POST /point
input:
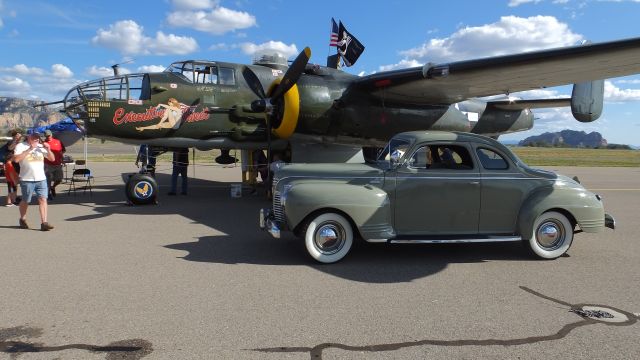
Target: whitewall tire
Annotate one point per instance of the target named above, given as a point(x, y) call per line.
point(328, 237)
point(552, 235)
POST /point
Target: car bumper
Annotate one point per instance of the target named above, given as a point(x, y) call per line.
point(268, 223)
point(609, 221)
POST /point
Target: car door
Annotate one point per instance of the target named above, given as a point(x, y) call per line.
point(433, 197)
point(504, 188)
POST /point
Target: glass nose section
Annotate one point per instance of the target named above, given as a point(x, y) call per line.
point(115, 88)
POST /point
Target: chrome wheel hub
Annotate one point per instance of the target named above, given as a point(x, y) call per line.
point(550, 234)
point(329, 238)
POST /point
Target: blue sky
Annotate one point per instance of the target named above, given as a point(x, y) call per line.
point(49, 46)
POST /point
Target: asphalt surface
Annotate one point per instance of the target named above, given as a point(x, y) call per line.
point(194, 278)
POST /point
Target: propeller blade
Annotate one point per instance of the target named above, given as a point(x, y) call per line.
point(254, 83)
point(293, 74)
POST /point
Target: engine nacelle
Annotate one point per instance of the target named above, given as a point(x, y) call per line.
point(587, 100)
point(494, 122)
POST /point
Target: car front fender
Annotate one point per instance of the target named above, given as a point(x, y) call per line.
point(367, 206)
point(582, 206)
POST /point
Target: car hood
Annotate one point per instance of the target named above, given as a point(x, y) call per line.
point(329, 171)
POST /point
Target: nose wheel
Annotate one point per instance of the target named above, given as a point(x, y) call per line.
point(142, 189)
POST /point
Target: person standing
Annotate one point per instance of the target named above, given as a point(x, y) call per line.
point(16, 138)
point(53, 169)
point(33, 180)
point(12, 180)
point(180, 166)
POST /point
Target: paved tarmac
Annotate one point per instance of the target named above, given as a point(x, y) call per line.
point(194, 278)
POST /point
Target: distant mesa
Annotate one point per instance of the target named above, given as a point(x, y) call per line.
point(566, 138)
point(20, 113)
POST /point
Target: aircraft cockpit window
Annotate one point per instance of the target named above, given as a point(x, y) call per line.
point(205, 74)
point(227, 76)
point(194, 72)
point(491, 160)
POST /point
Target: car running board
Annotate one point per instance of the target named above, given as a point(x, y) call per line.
point(449, 240)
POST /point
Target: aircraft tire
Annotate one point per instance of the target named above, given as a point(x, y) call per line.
point(142, 189)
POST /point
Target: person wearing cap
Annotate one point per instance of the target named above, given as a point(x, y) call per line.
point(33, 180)
point(53, 169)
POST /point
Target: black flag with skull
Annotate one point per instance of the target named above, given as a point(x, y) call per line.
point(349, 47)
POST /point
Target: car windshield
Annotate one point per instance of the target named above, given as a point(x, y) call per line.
point(395, 150)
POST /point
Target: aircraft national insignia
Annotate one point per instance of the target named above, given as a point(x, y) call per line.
point(143, 190)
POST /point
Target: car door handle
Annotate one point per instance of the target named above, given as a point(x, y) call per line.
point(375, 181)
point(475, 183)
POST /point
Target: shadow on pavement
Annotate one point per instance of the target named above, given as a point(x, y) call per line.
point(209, 203)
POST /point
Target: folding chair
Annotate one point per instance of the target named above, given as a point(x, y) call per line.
point(82, 177)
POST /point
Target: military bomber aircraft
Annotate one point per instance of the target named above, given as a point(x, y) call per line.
point(219, 105)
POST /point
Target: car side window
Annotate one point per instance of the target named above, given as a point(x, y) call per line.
point(420, 158)
point(452, 157)
point(491, 160)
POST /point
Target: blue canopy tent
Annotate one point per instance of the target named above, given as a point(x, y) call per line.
point(64, 130)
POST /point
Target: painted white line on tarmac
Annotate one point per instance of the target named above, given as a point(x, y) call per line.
point(613, 189)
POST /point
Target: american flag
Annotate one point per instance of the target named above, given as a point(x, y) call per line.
point(333, 40)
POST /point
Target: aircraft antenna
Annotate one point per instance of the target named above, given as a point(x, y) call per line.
point(116, 67)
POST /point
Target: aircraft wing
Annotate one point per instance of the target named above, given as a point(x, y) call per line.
point(450, 83)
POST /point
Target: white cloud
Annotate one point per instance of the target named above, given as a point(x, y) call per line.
point(151, 68)
point(510, 35)
point(127, 37)
point(219, 46)
point(194, 4)
point(124, 36)
point(170, 44)
point(61, 71)
point(515, 3)
point(632, 81)
point(615, 94)
point(22, 69)
point(101, 71)
point(269, 48)
point(217, 21)
point(405, 63)
point(13, 85)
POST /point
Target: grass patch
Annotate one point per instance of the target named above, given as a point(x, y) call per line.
point(534, 156)
point(577, 157)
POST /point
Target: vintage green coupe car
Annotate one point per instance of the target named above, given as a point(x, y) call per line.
point(432, 187)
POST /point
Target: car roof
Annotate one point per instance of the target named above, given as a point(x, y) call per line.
point(422, 136)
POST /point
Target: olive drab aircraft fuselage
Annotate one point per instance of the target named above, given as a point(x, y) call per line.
point(207, 104)
point(214, 103)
